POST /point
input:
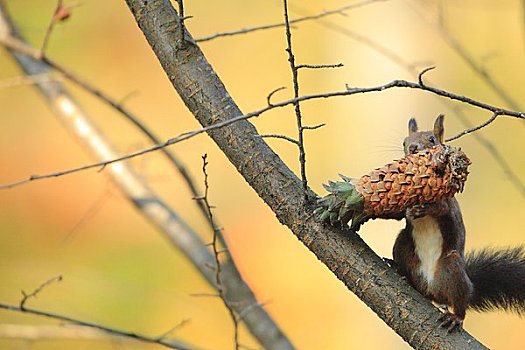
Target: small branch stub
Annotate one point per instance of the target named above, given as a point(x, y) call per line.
point(34, 293)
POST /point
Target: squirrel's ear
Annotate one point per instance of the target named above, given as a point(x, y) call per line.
point(439, 129)
point(412, 126)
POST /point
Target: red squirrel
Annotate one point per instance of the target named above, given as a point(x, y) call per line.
point(429, 253)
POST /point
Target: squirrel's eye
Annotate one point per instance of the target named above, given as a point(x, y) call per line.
point(432, 139)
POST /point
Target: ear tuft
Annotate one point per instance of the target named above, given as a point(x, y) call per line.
point(412, 126)
point(439, 128)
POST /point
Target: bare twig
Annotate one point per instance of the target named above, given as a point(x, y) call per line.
point(338, 11)
point(420, 75)
point(51, 26)
point(319, 66)
point(475, 128)
point(173, 329)
point(172, 344)
point(495, 153)
point(182, 19)
point(347, 92)
point(34, 293)
point(278, 136)
point(273, 92)
point(215, 248)
point(313, 127)
point(297, 105)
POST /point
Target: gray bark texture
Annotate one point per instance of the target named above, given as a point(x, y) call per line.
point(343, 252)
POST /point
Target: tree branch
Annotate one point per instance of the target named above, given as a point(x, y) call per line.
point(172, 344)
point(216, 253)
point(337, 11)
point(220, 123)
point(34, 293)
point(344, 253)
point(297, 105)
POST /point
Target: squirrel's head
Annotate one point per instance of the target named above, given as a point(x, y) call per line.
point(419, 140)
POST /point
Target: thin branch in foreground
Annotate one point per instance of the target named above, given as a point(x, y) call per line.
point(34, 293)
point(216, 253)
point(61, 13)
point(273, 92)
point(283, 137)
point(297, 105)
point(495, 153)
point(338, 11)
point(347, 92)
point(319, 66)
point(172, 344)
point(182, 19)
point(420, 75)
point(475, 128)
point(314, 127)
point(173, 329)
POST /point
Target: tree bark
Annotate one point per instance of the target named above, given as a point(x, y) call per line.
point(343, 252)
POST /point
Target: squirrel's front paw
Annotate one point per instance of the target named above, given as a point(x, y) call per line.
point(417, 211)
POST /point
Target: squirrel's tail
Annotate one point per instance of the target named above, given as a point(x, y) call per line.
point(498, 277)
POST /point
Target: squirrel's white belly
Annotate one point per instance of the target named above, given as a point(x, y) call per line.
point(428, 243)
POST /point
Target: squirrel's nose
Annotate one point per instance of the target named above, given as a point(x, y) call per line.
point(412, 149)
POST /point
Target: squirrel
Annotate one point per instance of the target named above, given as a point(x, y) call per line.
point(429, 253)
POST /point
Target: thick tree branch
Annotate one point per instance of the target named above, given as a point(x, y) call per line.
point(259, 323)
point(344, 253)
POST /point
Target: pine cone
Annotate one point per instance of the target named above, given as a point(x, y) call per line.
point(429, 176)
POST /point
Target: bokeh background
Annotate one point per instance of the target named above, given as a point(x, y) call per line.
point(118, 270)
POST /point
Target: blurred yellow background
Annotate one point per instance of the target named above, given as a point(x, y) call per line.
point(119, 271)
